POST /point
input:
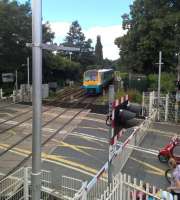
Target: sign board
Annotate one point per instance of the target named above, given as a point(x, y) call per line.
point(7, 77)
point(53, 47)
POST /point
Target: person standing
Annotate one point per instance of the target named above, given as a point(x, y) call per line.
point(175, 178)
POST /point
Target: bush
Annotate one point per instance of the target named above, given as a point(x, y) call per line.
point(167, 82)
point(134, 95)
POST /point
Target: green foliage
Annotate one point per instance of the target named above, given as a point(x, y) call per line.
point(75, 37)
point(98, 51)
point(167, 82)
point(151, 26)
point(134, 95)
point(124, 75)
point(15, 32)
point(59, 68)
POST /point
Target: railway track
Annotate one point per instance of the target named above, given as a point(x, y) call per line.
point(22, 162)
point(52, 103)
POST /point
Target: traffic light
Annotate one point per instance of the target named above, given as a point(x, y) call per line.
point(124, 115)
point(138, 109)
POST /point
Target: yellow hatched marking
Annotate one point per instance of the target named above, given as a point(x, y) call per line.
point(56, 159)
point(155, 169)
point(63, 144)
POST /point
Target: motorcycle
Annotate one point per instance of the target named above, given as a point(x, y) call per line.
point(168, 151)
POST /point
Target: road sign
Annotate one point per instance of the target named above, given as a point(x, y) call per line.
point(7, 77)
point(53, 47)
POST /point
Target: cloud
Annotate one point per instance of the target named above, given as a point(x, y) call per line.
point(108, 35)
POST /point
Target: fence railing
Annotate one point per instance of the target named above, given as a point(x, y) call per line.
point(168, 109)
point(124, 187)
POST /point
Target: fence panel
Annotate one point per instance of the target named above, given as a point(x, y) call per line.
point(70, 186)
point(12, 186)
point(124, 187)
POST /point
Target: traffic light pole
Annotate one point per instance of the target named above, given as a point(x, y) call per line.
point(36, 98)
point(111, 99)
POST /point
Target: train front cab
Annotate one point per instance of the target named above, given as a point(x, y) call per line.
point(93, 89)
point(91, 82)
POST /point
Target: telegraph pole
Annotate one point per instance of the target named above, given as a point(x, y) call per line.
point(36, 99)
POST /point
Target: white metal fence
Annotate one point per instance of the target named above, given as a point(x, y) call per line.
point(17, 186)
point(168, 109)
point(124, 187)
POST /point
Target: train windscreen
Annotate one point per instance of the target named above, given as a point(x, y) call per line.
point(90, 76)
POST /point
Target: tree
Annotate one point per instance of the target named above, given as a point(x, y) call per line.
point(98, 51)
point(15, 32)
point(151, 26)
point(75, 37)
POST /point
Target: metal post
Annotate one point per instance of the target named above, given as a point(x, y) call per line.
point(16, 82)
point(159, 83)
point(37, 97)
point(26, 186)
point(111, 99)
point(143, 95)
point(178, 68)
point(28, 71)
point(1, 93)
point(166, 107)
point(70, 53)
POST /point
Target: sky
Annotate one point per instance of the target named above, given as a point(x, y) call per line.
point(96, 17)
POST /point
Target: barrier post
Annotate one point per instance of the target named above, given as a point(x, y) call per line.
point(111, 133)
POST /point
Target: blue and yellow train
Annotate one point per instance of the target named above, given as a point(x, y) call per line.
point(95, 80)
